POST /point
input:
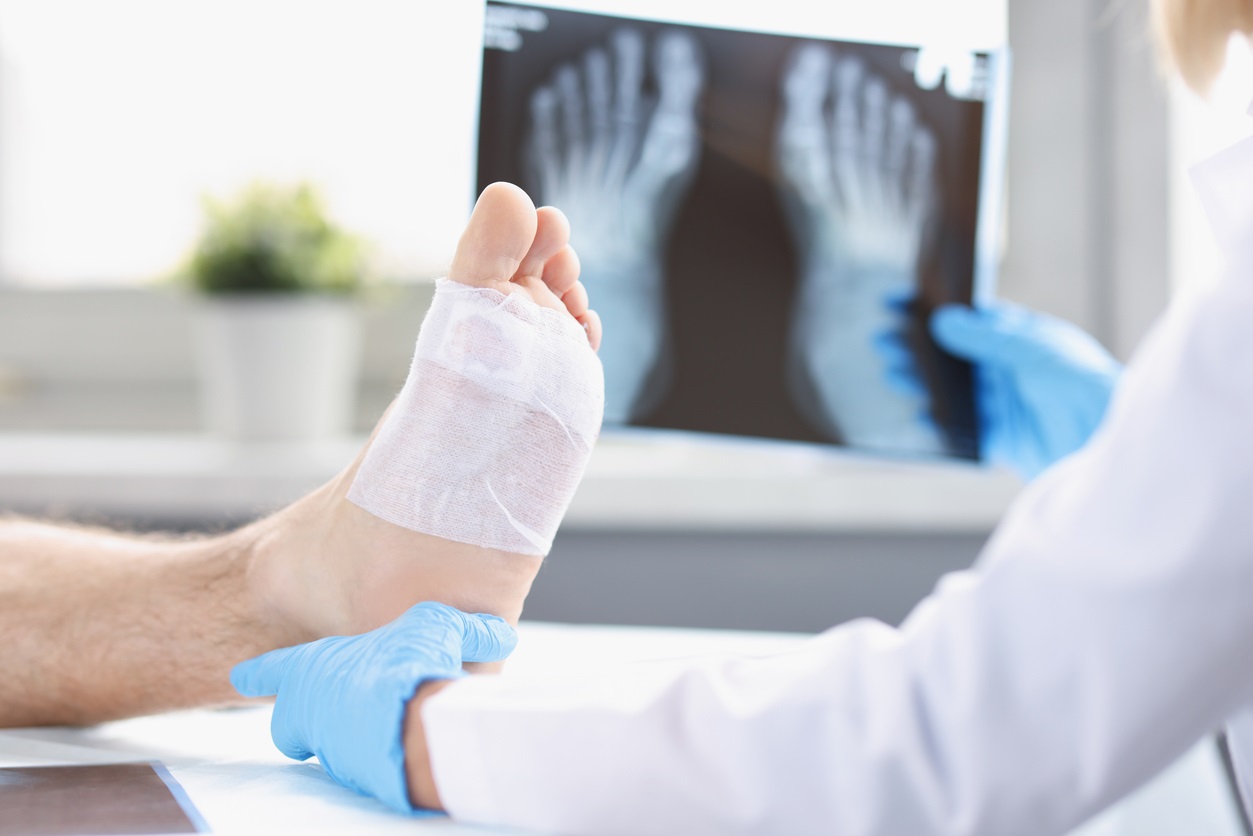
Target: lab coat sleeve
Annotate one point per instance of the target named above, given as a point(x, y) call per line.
point(1107, 627)
point(1240, 745)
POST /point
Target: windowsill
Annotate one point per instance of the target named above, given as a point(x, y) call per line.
point(632, 483)
point(105, 426)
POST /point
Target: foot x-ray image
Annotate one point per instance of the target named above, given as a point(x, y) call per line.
point(764, 222)
point(619, 162)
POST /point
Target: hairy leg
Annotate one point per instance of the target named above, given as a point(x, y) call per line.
point(97, 625)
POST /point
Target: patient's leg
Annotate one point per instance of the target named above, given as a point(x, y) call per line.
point(457, 494)
point(98, 625)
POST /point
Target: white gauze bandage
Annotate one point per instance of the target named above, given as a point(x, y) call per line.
point(492, 432)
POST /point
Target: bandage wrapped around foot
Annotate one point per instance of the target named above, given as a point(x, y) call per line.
point(492, 432)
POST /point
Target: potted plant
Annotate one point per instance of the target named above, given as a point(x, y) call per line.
point(278, 337)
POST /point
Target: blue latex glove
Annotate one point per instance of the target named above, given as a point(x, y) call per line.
point(1043, 384)
point(344, 698)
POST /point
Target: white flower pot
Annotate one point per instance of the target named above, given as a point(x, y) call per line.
point(278, 368)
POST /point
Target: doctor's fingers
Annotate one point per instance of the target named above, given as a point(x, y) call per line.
point(287, 728)
point(264, 675)
point(484, 638)
point(996, 336)
point(267, 675)
point(435, 638)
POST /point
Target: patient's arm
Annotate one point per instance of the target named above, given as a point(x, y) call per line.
point(96, 625)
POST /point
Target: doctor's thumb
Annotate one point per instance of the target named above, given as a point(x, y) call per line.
point(261, 677)
point(991, 336)
point(962, 331)
point(487, 638)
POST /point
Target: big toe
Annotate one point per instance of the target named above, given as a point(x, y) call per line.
point(497, 238)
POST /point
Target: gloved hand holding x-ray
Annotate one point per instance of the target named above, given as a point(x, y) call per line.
point(618, 163)
point(857, 167)
point(763, 220)
point(1044, 384)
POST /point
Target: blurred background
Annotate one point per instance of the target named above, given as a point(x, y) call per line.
point(118, 118)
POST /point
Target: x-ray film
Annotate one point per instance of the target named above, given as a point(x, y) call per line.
point(765, 222)
point(94, 800)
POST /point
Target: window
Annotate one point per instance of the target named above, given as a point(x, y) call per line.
point(117, 116)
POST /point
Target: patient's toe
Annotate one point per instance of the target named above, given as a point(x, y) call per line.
point(497, 238)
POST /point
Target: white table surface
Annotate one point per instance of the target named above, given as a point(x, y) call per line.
point(241, 784)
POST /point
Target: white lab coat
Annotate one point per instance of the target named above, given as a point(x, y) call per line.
point(1107, 627)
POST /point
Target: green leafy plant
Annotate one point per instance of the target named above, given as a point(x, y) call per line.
point(274, 239)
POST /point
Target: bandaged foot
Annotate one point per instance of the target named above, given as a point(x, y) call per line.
point(859, 172)
point(619, 162)
point(458, 494)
